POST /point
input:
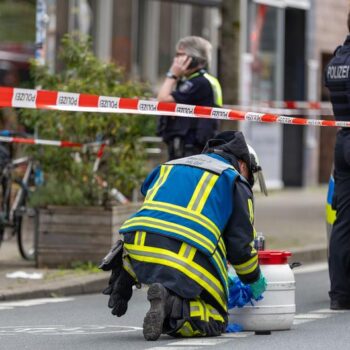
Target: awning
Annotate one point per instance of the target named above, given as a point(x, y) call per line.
point(299, 4)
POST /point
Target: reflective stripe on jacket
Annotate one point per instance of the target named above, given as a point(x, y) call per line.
point(214, 83)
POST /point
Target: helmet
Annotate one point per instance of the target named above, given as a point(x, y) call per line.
point(229, 142)
point(256, 170)
point(233, 143)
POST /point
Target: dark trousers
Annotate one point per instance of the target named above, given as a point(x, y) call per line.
point(339, 248)
point(179, 148)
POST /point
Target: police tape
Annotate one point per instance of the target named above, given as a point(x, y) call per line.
point(310, 105)
point(264, 108)
point(79, 102)
point(56, 143)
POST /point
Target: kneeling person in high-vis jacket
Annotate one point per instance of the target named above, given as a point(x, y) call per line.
point(197, 216)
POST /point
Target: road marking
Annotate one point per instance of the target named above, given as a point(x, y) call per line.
point(313, 316)
point(66, 330)
point(311, 268)
point(329, 311)
point(237, 334)
point(301, 321)
point(174, 348)
point(6, 305)
point(199, 341)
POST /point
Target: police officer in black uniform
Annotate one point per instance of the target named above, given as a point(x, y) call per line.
point(188, 82)
point(337, 79)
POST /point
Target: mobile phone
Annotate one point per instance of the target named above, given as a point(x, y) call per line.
point(111, 259)
point(194, 63)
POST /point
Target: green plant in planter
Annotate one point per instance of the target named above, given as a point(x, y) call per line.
point(68, 174)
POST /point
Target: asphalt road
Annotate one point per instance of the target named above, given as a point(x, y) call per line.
point(85, 323)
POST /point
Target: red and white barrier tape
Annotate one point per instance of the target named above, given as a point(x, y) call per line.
point(65, 101)
point(314, 105)
point(279, 110)
point(56, 143)
point(98, 157)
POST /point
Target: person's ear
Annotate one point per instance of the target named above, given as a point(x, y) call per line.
point(243, 169)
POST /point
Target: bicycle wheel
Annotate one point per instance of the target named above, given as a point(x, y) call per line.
point(2, 232)
point(25, 219)
point(5, 185)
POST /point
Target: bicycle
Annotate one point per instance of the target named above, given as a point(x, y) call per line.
point(15, 214)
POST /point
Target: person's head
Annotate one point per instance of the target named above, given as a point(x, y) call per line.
point(197, 48)
point(232, 143)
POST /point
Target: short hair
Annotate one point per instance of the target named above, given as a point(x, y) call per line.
point(196, 46)
point(349, 21)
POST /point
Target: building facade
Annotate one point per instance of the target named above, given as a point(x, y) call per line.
point(284, 45)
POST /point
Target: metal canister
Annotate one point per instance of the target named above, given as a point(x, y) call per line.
point(259, 242)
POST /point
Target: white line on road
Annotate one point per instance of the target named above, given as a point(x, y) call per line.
point(311, 268)
point(33, 302)
point(65, 330)
point(199, 341)
point(237, 335)
point(301, 321)
point(329, 311)
point(310, 316)
point(175, 348)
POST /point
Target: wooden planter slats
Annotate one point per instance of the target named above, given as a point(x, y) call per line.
point(78, 234)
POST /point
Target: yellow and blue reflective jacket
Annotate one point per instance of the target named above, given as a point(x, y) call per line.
point(330, 212)
point(191, 200)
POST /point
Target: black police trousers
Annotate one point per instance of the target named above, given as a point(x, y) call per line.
point(339, 248)
point(179, 148)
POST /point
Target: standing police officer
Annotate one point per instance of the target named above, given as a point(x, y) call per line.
point(337, 78)
point(188, 82)
point(197, 213)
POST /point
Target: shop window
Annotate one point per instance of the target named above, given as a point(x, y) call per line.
point(262, 43)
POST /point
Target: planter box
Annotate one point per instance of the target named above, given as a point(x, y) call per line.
point(69, 234)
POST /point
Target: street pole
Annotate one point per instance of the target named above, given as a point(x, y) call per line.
point(41, 21)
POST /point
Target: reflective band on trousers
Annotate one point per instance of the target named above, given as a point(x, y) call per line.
point(186, 330)
point(181, 231)
point(198, 308)
point(190, 269)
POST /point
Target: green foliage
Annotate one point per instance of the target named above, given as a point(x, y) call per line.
point(89, 266)
point(68, 173)
point(17, 21)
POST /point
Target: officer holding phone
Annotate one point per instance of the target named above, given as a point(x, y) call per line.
point(188, 82)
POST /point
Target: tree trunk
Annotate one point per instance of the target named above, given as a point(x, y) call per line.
point(229, 60)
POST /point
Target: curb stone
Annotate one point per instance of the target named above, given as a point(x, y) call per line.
point(313, 254)
point(94, 283)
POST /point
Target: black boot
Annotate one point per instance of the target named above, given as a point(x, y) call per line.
point(159, 298)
